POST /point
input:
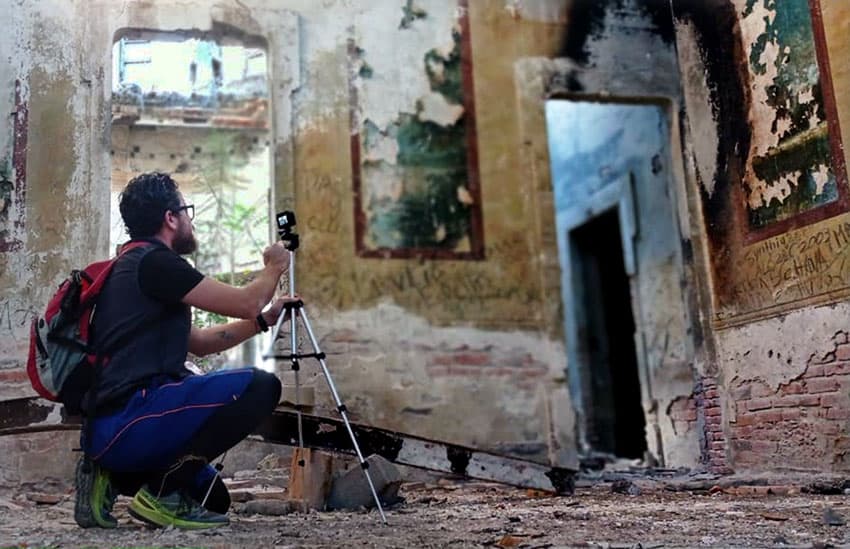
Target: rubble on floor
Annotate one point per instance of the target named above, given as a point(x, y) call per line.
point(647, 509)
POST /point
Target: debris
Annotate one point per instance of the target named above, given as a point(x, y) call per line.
point(269, 507)
point(774, 516)
point(351, 489)
point(509, 541)
point(623, 486)
point(45, 499)
point(832, 518)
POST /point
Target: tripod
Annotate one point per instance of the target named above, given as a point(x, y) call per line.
point(296, 310)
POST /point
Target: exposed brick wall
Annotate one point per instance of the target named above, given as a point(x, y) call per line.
point(712, 439)
point(803, 424)
point(683, 414)
point(463, 361)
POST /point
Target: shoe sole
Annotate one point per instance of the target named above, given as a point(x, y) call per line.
point(144, 510)
point(83, 512)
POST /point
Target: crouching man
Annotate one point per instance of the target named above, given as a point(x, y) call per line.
point(153, 427)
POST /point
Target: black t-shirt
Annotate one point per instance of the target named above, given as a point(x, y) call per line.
point(141, 323)
point(167, 277)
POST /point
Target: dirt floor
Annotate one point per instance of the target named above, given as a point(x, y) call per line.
point(625, 511)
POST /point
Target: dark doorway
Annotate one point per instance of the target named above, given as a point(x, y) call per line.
point(614, 419)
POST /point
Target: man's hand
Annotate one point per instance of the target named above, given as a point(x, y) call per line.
point(276, 256)
point(274, 311)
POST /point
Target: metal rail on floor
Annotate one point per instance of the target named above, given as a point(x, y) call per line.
point(33, 415)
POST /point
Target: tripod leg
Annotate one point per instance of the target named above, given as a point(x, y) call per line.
point(342, 410)
point(296, 368)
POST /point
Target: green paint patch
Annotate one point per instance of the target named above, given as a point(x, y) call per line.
point(431, 207)
point(444, 74)
point(795, 96)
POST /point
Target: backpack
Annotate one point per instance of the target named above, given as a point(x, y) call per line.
point(62, 362)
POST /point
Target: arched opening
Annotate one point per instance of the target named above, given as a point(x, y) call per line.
point(197, 107)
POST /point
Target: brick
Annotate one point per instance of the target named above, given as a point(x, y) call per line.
point(712, 412)
point(13, 376)
point(768, 416)
point(759, 404)
point(835, 400)
point(793, 388)
point(822, 385)
point(714, 427)
point(746, 419)
point(814, 370)
point(763, 446)
point(842, 352)
point(838, 413)
point(472, 359)
point(796, 400)
point(791, 414)
point(838, 368)
point(717, 445)
point(744, 431)
point(710, 393)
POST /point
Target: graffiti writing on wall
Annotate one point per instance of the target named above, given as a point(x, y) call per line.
point(776, 205)
point(792, 177)
point(455, 289)
point(799, 266)
point(15, 318)
point(416, 179)
point(13, 179)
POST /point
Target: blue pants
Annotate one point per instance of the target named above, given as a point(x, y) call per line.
point(157, 424)
point(199, 416)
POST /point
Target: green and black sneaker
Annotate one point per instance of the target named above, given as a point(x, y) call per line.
point(94, 496)
point(174, 509)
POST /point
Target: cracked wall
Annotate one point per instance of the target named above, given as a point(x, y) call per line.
point(761, 130)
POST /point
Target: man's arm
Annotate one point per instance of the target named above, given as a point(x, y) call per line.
point(245, 302)
point(204, 341)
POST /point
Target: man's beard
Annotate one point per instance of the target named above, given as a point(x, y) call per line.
point(184, 241)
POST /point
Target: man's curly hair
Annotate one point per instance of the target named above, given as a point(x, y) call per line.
point(144, 201)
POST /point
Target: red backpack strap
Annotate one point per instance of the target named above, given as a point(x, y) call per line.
point(99, 280)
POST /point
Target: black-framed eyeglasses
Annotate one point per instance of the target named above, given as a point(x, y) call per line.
point(190, 210)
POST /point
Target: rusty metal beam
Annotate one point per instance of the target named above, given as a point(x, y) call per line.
point(30, 415)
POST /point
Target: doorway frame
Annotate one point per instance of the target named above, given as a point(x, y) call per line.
point(539, 79)
point(619, 197)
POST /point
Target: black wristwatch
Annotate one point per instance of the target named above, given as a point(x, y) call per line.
point(261, 322)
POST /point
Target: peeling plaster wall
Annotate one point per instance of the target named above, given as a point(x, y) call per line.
point(624, 51)
point(781, 374)
point(409, 341)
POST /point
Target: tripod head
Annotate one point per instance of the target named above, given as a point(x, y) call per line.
point(285, 224)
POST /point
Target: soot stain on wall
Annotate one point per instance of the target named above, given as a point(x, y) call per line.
point(586, 20)
point(718, 36)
